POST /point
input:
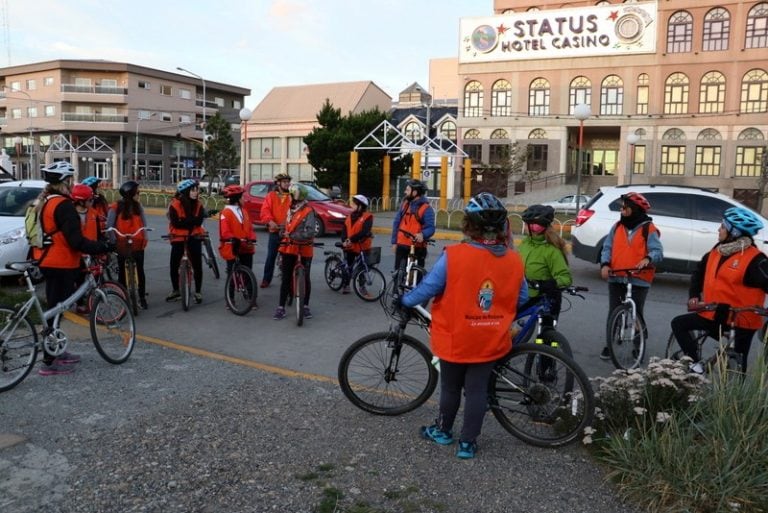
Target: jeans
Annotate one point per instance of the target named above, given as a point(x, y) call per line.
point(269, 265)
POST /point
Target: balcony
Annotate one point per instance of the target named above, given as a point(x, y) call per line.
point(94, 117)
point(93, 94)
point(72, 88)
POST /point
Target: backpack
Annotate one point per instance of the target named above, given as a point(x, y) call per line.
point(36, 236)
point(305, 232)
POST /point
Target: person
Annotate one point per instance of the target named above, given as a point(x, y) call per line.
point(273, 213)
point(59, 260)
point(236, 235)
point(356, 234)
point(186, 215)
point(127, 216)
point(633, 243)
point(91, 225)
point(416, 216)
point(100, 203)
point(734, 273)
point(545, 256)
point(478, 286)
point(297, 243)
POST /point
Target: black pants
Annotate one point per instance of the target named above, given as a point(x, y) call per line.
point(289, 262)
point(682, 325)
point(59, 285)
point(138, 257)
point(402, 252)
point(195, 252)
point(273, 244)
point(245, 259)
point(473, 379)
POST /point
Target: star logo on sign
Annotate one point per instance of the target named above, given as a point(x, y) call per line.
point(613, 15)
point(501, 29)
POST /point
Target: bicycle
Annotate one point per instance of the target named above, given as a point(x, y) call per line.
point(186, 278)
point(209, 257)
point(240, 288)
point(368, 281)
point(131, 272)
point(112, 327)
point(413, 271)
point(626, 332)
point(537, 393)
point(298, 281)
point(100, 269)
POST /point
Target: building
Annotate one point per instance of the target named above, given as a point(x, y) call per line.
point(110, 119)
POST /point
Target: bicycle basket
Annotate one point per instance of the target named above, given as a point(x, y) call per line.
point(374, 256)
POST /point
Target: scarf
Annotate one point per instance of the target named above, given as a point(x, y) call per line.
point(729, 248)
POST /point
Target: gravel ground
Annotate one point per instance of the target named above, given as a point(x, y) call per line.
point(173, 432)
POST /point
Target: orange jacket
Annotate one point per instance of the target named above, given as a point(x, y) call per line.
point(178, 234)
point(626, 255)
point(59, 255)
point(129, 225)
point(91, 224)
point(275, 208)
point(411, 223)
point(235, 223)
point(472, 317)
point(289, 247)
point(355, 228)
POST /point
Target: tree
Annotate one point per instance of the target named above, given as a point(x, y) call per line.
point(220, 150)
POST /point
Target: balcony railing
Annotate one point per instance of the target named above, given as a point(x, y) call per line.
point(72, 88)
point(94, 117)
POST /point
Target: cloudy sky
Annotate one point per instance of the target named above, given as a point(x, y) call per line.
point(257, 44)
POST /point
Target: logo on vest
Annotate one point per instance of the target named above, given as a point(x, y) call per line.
point(485, 296)
point(735, 264)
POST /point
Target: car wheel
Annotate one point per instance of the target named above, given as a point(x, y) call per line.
point(319, 227)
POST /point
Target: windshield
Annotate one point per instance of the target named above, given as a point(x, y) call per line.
point(316, 195)
point(14, 200)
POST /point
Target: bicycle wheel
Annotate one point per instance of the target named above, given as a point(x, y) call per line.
point(108, 285)
point(299, 289)
point(18, 349)
point(113, 328)
point(185, 284)
point(673, 350)
point(626, 338)
point(381, 376)
point(334, 273)
point(132, 285)
point(112, 268)
point(210, 258)
point(542, 411)
point(369, 284)
point(240, 290)
point(553, 338)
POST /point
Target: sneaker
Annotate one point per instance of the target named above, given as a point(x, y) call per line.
point(307, 313)
point(68, 358)
point(696, 368)
point(264, 284)
point(198, 298)
point(345, 290)
point(55, 368)
point(279, 313)
point(605, 354)
point(143, 303)
point(436, 435)
point(466, 450)
point(173, 296)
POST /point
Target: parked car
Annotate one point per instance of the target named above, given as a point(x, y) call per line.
point(15, 197)
point(687, 219)
point(330, 213)
point(568, 203)
point(232, 180)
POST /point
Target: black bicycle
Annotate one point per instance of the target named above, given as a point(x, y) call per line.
point(367, 280)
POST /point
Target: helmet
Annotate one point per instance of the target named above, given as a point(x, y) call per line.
point(486, 210)
point(282, 176)
point(743, 220)
point(539, 214)
point(129, 188)
point(638, 199)
point(186, 184)
point(81, 192)
point(359, 198)
point(418, 186)
point(232, 190)
point(297, 187)
point(92, 181)
point(58, 171)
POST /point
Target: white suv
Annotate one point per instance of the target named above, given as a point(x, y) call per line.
point(687, 219)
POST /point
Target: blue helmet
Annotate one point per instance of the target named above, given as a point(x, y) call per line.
point(486, 210)
point(741, 220)
point(92, 182)
point(186, 184)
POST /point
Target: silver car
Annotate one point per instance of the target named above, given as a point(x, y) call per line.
point(15, 197)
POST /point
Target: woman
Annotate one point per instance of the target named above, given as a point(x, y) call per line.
point(186, 215)
point(236, 233)
point(100, 203)
point(356, 234)
point(127, 215)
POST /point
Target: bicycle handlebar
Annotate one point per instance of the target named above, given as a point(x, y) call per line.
point(413, 237)
point(711, 307)
point(128, 235)
point(629, 272)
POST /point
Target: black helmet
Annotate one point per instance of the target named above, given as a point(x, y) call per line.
point(539, 214)
point(486, 210)
point(418, 186)
point(129, 188)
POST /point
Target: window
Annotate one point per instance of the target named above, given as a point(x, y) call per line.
point(144, 84)
point(267, 148)
point(754, 92)
point(48, 81)
point(108, 82)
point(236, 104)
point(31, 84)
point(669, 204)
point(166, 116)
point(707, 161)
point(748, 159)
point(707, 208)
point(499, 133)
point(474, 152)
point(717, 27)
point(143, 114)
point(538, 98)
point(473, 100)
point(472, 134)
point(638, 160)
point(185, 94)
point(709, 134)
point(185, 119)
point(296, 148)
point(643, 93)
point(501, 98)
point(680, 32)
point(15, 85)
point(50, 110)
point(83, 82)
point(15, 113)
point(757, 27)
point(676, 94)
point(498, 154)
point(155, 147)
point(537, 133)
point(31, 112)
point(83, 109)
point(611, 96)
point(604, 162)
point(672, 160)
point(166, 90)
point(413, 131)
point(537, 157)
point(218, 101)
point(712, 93)
point(448, 130)
point(580, 92)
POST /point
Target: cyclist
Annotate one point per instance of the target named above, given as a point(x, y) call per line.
point(297, 243)
point(234, 227)
point(186, 215)
point(734, 273)
point(633, 242)
point(273, 213)
point(545, 256)
point(356, 234)
point(479, 286)
point(127, 215)
point(91, 226)
point(59, 260)
point(99, 201)
point(416, 216)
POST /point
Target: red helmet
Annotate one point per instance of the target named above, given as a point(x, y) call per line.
point(638, 199)
point(232, 190)
point(81, 192)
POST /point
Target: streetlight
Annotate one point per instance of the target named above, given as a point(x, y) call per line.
point(136, 145)
point(204, 100)
point(581, 112)
point(632, 139)
point(17, 145)
point(428, 129)
point(245, 116)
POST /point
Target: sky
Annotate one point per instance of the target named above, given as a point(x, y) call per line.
point(256, 44)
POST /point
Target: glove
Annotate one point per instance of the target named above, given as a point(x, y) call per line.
point(547, 286)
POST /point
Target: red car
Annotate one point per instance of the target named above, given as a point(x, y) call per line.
point(330, 213)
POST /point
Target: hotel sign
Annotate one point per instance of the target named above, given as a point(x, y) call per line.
point(617, 29)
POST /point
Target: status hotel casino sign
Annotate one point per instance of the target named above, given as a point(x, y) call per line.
point(577, 32)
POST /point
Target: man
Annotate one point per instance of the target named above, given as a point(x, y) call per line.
point(274, 213)
point(417, 217)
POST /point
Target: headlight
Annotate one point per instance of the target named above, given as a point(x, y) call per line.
point(337, 215)
point(11, 236)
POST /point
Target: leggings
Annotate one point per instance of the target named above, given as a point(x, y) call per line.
point(289, 262)
point(195, 250)
point(473, 378)
point(138, 257)
point(59, 285)
point(682, 325)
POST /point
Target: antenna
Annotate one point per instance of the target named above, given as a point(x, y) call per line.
point(6, 29)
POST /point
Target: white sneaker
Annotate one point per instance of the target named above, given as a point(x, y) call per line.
point(696, 368)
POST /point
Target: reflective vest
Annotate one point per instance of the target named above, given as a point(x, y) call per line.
point(354, 229)
point(626, 254)
point(472, 317)
point(289, 247)
point(724, 283)
point(275, 208)
point(178, 234)
point(234, 223)
point(412, 223)
point(129, 225)
point(59, 255)
point(90, 224)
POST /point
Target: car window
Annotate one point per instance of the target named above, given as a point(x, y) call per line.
point(567, 199)
point(707, 208)
point(669, 204)
point(594, 199)
point(14, 200)
point(316, 195)
point(259, 189)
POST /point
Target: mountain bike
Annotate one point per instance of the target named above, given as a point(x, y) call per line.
point(112, 327)
point(240, 288)
point(131, 273)
point(626, 331)
point(537, 393)
point(298, 281)
point(368, 282)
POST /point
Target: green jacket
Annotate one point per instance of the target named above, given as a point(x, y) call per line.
point(543, 261)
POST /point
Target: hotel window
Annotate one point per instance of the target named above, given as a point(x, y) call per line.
point(757, 26)
point(672, 160)
point(717, 27)
point(643, 93)
point(50, 110)
point(580, 92)
point(676, 94)
point(712, 93)
point(31, 84)
point(680, 32)
point(501, 98)
point(749, 158)
point(707, 161)
point(754, 92)
point(538, 98)
point(166, 90)
point(448, 130)
point(473, 100)
point(185, 94)
point(611, 96)
point(638, 160)
point(537, 133)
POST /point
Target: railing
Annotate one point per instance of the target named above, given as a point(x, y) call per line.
point(94, 117)
point(72, 88)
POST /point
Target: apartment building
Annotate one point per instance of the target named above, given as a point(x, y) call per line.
point(110, 119)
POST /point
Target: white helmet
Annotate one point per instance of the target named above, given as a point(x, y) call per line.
point(360, 199)
point(58, 171)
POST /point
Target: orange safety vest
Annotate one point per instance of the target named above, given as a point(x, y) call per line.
point(626, 254)
point(724, 283)
point(355, 228)
point(275, 208)
point(303, 249)
point(59, 255)
point(129, 225)
point(411, 223)
point(178, 234)
point(91, 225)
point(472, 317)
point(231, 227)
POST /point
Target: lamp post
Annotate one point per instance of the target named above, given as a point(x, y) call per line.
point(581, 112)
point(136, 146)
point(17, 146)
point(245, 116)
point(632, 139)
point(204, 101)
